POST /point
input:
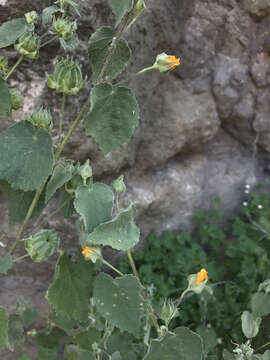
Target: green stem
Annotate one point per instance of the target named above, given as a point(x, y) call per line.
point(73, 127)
point(49, 41)
point(178, 303)
point(110, 265)
point(61, 117)
point(117, 203)
point(27, 218)
point(261, 347)
point(145, 69)
point(132, 264)
point(14, 67)
point(20, 258)
point(134, 75)
point(149, 307)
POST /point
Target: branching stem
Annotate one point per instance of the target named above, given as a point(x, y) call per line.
point(14, 67)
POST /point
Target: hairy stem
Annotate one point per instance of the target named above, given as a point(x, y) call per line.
point(21, 258)
point(61, 117)
point(149, 307)
point(14, 67)
point(27, 218)
point(110, 265)
point(49, 41)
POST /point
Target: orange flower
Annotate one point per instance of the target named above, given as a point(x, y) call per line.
point(174, 62)
point(87, 251)
point(201, 276)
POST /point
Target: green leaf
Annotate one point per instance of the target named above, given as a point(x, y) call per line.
point(47, 14)
point(47, 354)
point(94, 204)
point(26, 157)
point(71, 44)
point(73, 352)
point(121, 342)
point(6, 263)
point(260, 304)
point(266, 355)
point(11, 30)
point(71, 290)
point(120, 233)
point(87, 338)
point(5, 98)
point(15, 331)
point(124, 307)
point(25, 357)
point(208, 336)
point(182, 344)
point(250, 326)
point(113, 116)
point(19, 202)
point(61, 174)
point(50, 340)
point(98, 47)
point(66, 203)
point(3, 328)
point(121, 8)
point(29, 317)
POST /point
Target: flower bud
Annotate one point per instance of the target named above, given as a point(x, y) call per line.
point(41, 118)
point(65, 4)
point(165, 63)
point(42, 245)
point(197, 282)
point(67, 77)
point(31, 17)
point(28, 45)
point(119, 185)
point(3, 65)
point(168, 311)
point(92, 253)
point(85, 171)
point(64, 28)
point(16, 99)
point(139, 7)
point(72, 185)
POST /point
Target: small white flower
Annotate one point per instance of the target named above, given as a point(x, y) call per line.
point(245, 203)
point(246, 191)
point(247, 186)
point(260, 206)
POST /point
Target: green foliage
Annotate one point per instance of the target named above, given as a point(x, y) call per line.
point(98, 48)
point(5, 98)
point(26, 158)
point(29, 317)
point(6, 263)
point(94, 204)
point(86, 338)
point(120, 8)
point(19, 202)
point(121, 233)
point(250, 326)
point(73, 352)
point(72, 284)
point(11, 30)
point(42, 245)
point(113, 117)
point(3, 328)
point(124, 307)
point(47, 354)
point(62, 173)
point(15, 331)
point(182, 344)
point(47, 14)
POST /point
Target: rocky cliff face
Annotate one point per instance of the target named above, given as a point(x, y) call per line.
point(201, 125)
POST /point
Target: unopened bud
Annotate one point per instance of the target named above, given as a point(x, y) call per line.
point(165, 63)
point(16, 99)
point(139, 7)
point(28, 45)
point(119, 185)
point(42, 245)
point(41, 118)
point(85, 171)
point(4, 65)
point(64, 28)
point(31, 17)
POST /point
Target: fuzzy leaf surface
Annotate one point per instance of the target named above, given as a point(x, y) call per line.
point(70, 292)
point(121, 233)
point(86, 338)
point(6, 263)
point(5, 98)
point(260, 304)
point(124, 307)
point(61, 174)
point(98, 47)
point(15, 331)
point(19, 202)
point(73, 352)
point(26, 157)
point(94, 204)
point(11, 30)
point(3, 328)
point(182, 344)
point(47, 14)
point(113, 116)
point(120, 8)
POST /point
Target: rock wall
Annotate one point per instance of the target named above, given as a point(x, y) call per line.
point(204, 128)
